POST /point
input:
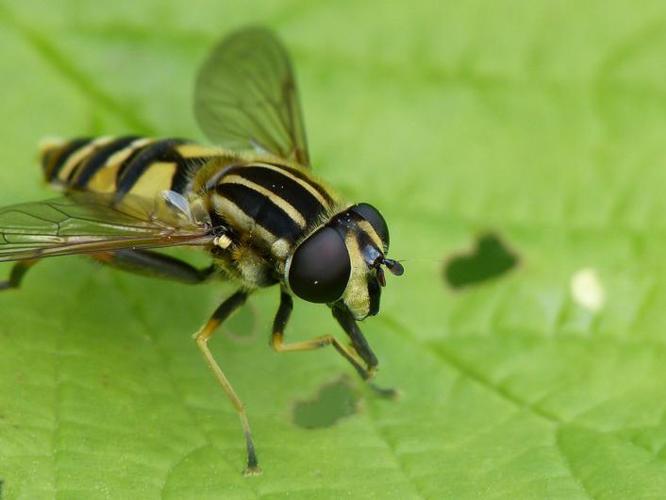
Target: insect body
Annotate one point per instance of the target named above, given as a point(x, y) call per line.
point(251, 203)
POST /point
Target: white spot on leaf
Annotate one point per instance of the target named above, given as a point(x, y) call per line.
point(587, 289)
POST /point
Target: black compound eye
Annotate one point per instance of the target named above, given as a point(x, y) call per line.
point(320, 267)
point(372, 215)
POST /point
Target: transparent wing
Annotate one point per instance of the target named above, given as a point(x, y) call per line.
point(90, 223)
point(245, 96)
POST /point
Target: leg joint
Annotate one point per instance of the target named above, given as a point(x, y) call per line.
point(277, 341)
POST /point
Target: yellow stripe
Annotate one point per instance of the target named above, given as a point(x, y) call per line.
point(304, 184)
point(239, 219)
point(367, 228)
point(287, 207)
point(197, 151)
point(156, 178)
point(79, 155)
point(48, 144)
point(48, 152)
point(123, 154)
point(356, 293)
point(104, 180)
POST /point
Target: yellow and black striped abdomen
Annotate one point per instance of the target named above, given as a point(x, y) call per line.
point(272, 204)
point(275, 203)
point(121, 165)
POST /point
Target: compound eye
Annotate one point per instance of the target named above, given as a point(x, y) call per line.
point(372, 215)
point(320, 267)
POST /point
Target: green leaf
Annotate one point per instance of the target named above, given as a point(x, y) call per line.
point(542, 122)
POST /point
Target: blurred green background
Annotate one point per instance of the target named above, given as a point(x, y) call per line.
point(541, 121)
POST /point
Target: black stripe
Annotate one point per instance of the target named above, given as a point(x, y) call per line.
point(262, 210)
point(75, 169)
point(61, 156)
point(185, 170)
point(374, 294)
point(286, 188)
point(132, 170)
point(218, 221)
point(99, 158)
point(300, 175)
point(369, 251)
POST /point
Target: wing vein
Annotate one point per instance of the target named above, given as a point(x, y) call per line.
point(246, 96)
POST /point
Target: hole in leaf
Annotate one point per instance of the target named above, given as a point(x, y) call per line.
point(489, 259)
point(333, 401)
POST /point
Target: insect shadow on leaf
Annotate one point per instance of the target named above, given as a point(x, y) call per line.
point(489, 259)
point(243, 326)
point(334, 401)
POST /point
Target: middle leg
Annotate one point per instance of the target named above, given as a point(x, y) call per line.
point(202, 337)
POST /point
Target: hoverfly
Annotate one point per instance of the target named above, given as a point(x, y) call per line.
point(251, 203)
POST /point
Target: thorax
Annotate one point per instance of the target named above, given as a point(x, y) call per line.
point(268, 208)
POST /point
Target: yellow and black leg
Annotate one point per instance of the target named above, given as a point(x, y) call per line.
point(364, 361)
point(17, 273)
point(202, 337)
point(155, 265)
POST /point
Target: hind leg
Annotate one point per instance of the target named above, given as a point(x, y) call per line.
point(17, 273)
point(155, 265)
point(142, 262)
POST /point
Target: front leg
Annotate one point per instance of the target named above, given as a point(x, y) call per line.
point(350, 354)
point(277, 339)
point(361, 346)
